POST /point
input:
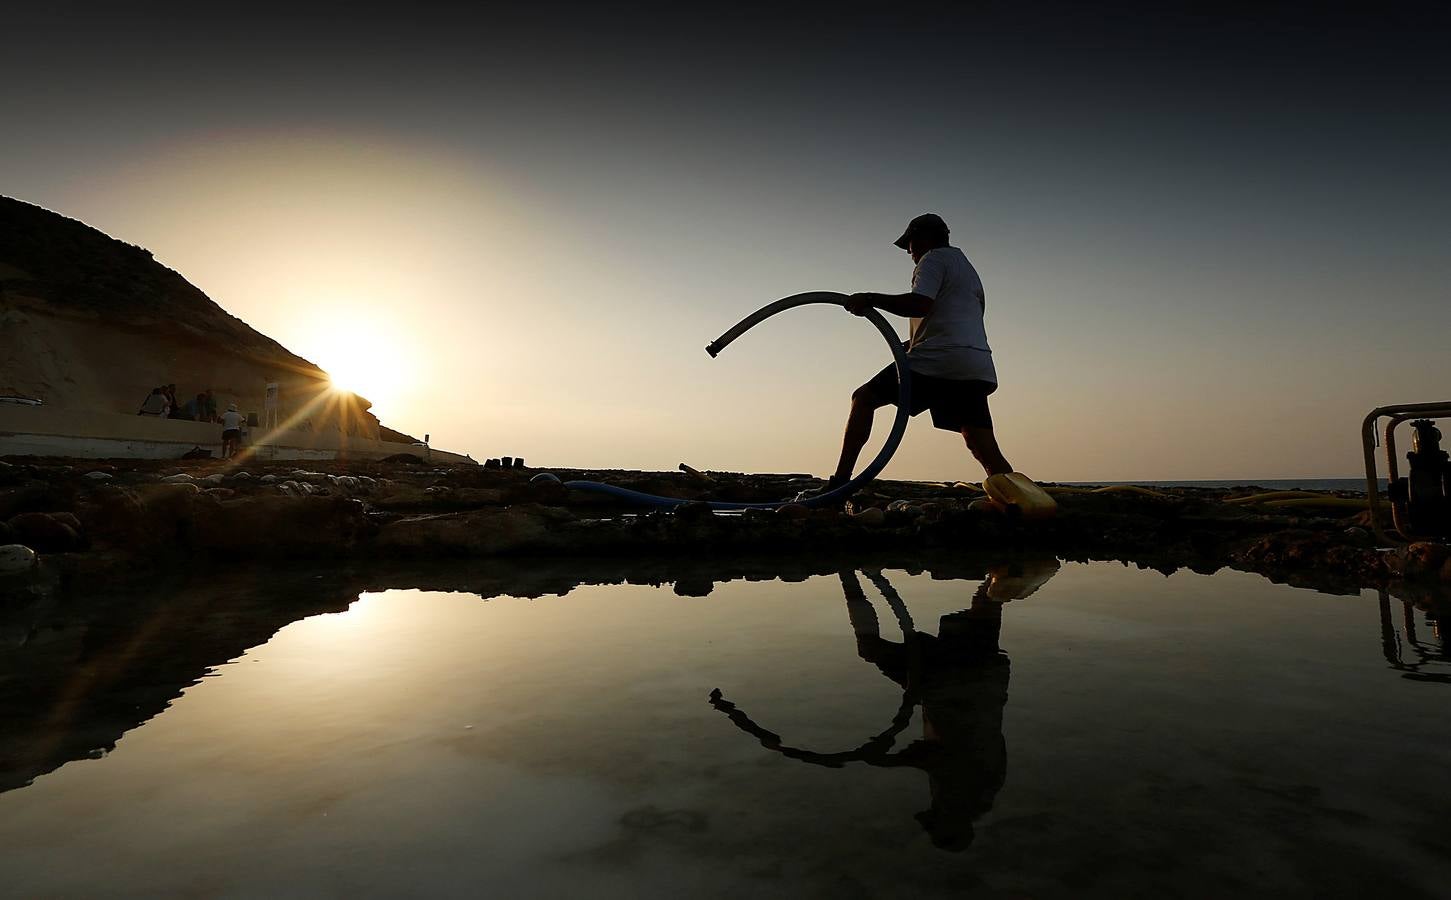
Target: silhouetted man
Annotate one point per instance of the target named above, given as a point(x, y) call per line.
point(951, 363)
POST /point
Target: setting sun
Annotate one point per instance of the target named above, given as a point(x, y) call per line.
point(364, 359)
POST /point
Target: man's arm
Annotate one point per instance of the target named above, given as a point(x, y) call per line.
point(911, 305)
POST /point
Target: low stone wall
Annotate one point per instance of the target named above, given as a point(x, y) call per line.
point(42, 431)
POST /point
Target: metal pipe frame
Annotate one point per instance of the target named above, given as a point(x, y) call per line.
point(1398, 413)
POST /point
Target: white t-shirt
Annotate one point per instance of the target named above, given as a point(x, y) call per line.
point(232, 420)
point(951, 341)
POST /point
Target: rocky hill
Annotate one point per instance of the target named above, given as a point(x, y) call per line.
point(88, 322)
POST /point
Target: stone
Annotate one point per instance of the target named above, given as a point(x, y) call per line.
point(269, 478)
point(178, 478)
point(98, 476)
point(69, 519)
point(17, 559)
point(241, 476)
point(474, 533)
point(46, 533)
point(212, 480)
point(1423, 560)
point(795, 511)
point(278, 526)
point(137, 518)
point(694, 586)
point(693, 511)
point(872, 517)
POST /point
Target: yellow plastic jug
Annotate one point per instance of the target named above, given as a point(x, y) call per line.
point(1018, 495)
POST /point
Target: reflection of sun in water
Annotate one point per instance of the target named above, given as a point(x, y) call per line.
point(365, 359)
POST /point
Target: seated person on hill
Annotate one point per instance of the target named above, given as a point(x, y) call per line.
point(154, 405)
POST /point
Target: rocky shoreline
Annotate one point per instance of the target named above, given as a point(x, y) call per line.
point(146, 515)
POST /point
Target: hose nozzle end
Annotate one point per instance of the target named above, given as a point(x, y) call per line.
point(713, 350)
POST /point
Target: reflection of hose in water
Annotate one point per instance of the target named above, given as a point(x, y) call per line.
point(876, 748)
point(894, 438)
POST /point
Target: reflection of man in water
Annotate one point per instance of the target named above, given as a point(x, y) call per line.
point(960, 678)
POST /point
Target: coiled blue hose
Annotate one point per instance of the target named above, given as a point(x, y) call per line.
point(894, 439)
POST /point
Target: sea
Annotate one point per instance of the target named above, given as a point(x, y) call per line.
point(1274, 484)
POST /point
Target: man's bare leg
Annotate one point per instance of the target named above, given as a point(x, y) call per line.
point(984, 446)
point(858, 431)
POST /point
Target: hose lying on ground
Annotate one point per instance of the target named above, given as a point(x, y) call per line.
point(894, 438)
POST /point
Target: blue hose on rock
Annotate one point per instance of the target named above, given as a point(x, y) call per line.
point(899, 425)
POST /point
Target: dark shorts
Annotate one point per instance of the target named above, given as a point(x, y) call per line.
point(955, 404)
point(234, 434)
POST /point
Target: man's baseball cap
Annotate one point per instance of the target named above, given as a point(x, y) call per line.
point(924, 222)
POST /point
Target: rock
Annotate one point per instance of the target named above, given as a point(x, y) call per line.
point(269, 478)
point(178, 478)
point(98, 476)
point(698, 586)
point(491, 464)
point(137, 518)
point(69, 519)
point(474, 533)
point(33, 496)
point(1423, 560)
point(872, 517)
point(518, 462)
point(241, 476)
point(1446, 571)
point(273, 525)
point(793, 511)
point(17, 559)
point(693, 511)
point(212, 480)
point(46, 533)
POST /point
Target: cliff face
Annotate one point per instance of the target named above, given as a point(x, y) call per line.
point(90, 322)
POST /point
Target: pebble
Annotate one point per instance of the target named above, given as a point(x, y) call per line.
point(98, 476)
point(16, 558)
point(212, 480)
point(178, 478)
point(269, 479)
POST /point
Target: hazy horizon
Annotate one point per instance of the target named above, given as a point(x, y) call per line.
point(1210, 245)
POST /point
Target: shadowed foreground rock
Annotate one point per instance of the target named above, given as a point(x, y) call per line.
point(154, 513)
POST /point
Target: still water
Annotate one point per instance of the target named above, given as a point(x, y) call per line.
point(1030, 729)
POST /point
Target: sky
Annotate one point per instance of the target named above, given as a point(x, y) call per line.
point(1210, 242)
